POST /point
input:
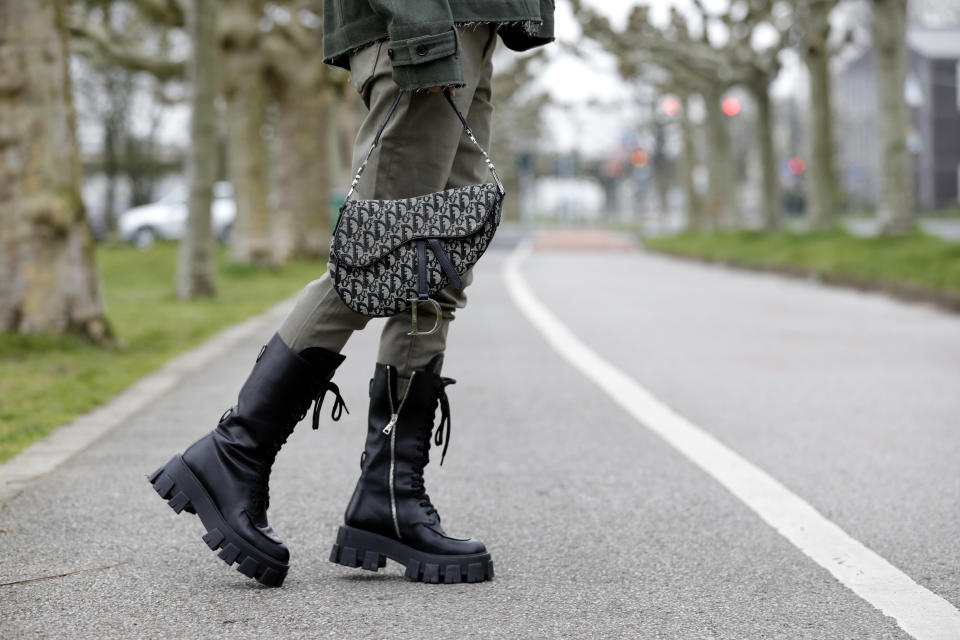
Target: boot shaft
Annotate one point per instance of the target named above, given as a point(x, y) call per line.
point(390, 491)
point(281, 386)
point(236, 457)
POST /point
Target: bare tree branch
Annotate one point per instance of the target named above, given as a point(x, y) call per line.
point(94, 39)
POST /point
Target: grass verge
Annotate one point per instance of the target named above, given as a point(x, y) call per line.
point(916, 266)
point(47, 381)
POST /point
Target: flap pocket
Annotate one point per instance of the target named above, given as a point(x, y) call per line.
point(423, 49)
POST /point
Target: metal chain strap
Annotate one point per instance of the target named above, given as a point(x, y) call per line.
point(466, 129)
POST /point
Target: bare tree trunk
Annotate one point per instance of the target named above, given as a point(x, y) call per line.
point(348, 121)
point(196, 275)
point(691, 198)
point(245, 90)
point(306, 130)
point(660, 166)
point(111, 169)
point(823, 191)
point(49, 282)
point(768, 157)
point(896, 212)
point(114, 124)
point(305, 135)
point(721, 190)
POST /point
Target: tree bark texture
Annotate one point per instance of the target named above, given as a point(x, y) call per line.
point(688, 161)
point(349, 114)
point(721, 190)
point(896, 213)
point(660, 164)
point(196, 273)
point(823, 190)
point(245, 92)
point(49, 281)
point(770, 175)
point(306, 132)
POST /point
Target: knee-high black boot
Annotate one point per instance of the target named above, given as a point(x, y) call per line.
point(223, 477)
point(390, 514)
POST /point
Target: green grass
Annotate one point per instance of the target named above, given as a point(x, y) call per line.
point(47, 381)
point(916, 262)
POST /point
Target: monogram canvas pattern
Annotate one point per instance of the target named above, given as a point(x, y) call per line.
point(373, 256)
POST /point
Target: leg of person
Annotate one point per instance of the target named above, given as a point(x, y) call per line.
point(410, 353)
point(224, 476)
point(390, 514)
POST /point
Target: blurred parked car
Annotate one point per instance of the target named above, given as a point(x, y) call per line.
point(166, 219)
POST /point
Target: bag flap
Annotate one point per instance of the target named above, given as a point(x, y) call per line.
point(370, 229)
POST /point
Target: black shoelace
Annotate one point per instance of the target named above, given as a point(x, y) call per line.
point(262, 493)
point(442, 434)
point(339, 406)
point(441, 437)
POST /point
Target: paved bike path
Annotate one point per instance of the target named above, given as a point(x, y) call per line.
point(598, 528)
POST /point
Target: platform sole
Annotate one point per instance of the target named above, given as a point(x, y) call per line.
point(357, 548)
point(183, 491)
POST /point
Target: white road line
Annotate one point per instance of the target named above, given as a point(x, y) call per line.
point(919, 612)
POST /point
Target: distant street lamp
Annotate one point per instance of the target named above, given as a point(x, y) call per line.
point(731, 106)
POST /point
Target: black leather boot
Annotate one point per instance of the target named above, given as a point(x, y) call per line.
point(223, 477)
point(390, 514)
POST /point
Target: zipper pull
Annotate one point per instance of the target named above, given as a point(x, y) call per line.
point(390, 425)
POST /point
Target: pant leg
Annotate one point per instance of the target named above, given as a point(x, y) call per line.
point(422, 151)
point(467, 167)
point(320, 319)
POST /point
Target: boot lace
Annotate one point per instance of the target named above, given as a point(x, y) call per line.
point(261, 492)
point(441, 437)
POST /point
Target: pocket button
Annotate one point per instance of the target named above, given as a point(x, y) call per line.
point(422, 49)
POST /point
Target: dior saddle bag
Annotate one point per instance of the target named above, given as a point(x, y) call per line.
point(388, 256)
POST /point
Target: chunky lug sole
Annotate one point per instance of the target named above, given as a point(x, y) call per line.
point(358, 548)
point(183, 491)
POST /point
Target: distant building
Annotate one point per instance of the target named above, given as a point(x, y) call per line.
point(933, 95)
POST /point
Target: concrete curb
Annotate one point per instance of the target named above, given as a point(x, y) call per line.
point(47, 454)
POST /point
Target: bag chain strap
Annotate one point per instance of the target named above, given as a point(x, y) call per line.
point(466, 129)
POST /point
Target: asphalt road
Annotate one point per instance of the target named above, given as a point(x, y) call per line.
point(598, 528)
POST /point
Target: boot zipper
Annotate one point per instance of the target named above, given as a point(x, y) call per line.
point(391, 430)
point(395, 412)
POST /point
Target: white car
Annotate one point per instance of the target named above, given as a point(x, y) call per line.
point(166, 219)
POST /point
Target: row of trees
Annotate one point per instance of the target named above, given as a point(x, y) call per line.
point(261, 61)
point(687, 57)
point(256, 84)
point(252, 72)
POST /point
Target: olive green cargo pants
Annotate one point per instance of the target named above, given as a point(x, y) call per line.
point(423, 150)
